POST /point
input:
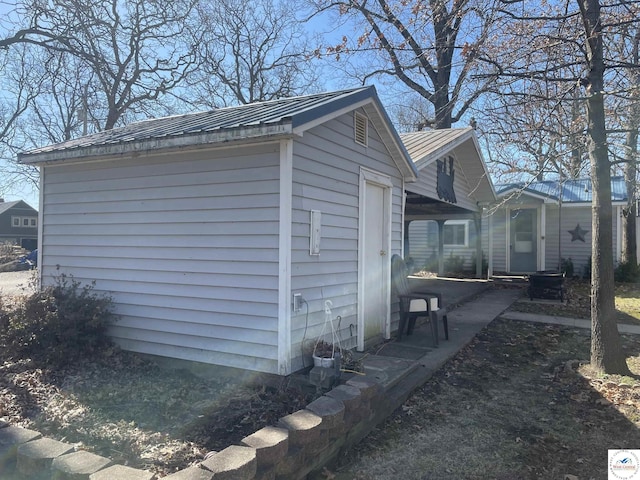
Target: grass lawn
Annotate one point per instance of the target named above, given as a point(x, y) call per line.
point(517, 403)
point(578, 304)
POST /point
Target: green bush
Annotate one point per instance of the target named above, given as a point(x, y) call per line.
point(58, 325)
point(627, 273)
point(566, 266)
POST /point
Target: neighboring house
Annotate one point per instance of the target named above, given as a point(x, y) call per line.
point(204, 227)
point(444, 207)
point(536, 225)
point(18, 224)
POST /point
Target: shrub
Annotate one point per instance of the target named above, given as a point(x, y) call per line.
point(454, 264)
point(58, 325)
point(485, 263)
point(627, 272)
point(431, 265)
point(566, 266)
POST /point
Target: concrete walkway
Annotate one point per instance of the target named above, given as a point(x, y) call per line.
point(566, 321)
point(402, 366)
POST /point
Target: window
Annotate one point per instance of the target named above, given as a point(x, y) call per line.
point(24, 222)
point(360, 126)
point(456, 233)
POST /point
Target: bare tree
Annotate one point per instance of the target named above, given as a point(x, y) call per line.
point(21, 78)
point(251, 52)
point(537, 129)
point(432, 47)
point(136, 50)
point(606, 352)
point(566, 43)
point(629, 47)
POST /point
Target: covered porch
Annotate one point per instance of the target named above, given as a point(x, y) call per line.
point(444, 207)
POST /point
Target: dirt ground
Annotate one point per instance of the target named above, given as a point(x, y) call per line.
point(125, 407)
point(515, 404)
point(518, 403)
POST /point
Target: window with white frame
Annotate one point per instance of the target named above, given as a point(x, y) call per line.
point(24, 222)
point(456, 233)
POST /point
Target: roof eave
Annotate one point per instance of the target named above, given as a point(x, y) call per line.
point(137, 147)
point(432, 156)
point(465, 135)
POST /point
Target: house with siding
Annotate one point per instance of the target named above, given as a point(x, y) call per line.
point(536, 225)
point(445, 206)
point(18, 224)
point(229, 237)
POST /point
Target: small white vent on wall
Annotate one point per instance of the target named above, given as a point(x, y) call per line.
point(361, 129)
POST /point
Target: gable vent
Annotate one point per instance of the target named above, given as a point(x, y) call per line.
point(360, 126)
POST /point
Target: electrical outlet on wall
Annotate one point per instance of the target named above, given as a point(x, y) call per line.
point(297, 302)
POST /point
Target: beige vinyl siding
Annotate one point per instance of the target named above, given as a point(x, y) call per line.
point(187, 247)
point(326, 171)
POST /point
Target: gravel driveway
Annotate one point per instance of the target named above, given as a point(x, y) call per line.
point(17, 283)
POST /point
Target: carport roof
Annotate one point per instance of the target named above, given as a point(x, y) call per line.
point(426, 146)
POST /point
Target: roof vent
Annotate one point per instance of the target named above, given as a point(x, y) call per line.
point(360, 127)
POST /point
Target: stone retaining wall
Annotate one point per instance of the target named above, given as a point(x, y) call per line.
point(301, 443)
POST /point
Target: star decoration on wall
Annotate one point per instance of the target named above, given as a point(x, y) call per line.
point(578, 233)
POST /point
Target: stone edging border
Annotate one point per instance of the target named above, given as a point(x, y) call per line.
point(301, 443)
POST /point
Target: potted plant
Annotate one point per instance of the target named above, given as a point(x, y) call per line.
point(323, 354)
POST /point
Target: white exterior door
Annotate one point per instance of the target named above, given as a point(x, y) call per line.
point(374, 274)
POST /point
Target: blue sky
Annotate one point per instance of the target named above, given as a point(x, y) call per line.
point(324, 25)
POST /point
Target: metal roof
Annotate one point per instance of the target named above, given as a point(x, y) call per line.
point(573, 191)
point(426, 146)
point(280, 117)
point(294, 110)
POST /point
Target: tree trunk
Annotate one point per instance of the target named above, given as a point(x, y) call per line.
point(606, 351)
point(629, 240)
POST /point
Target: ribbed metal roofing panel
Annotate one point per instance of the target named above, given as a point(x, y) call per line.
point(573, 191)
point(424, 143)
point(256, 114)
